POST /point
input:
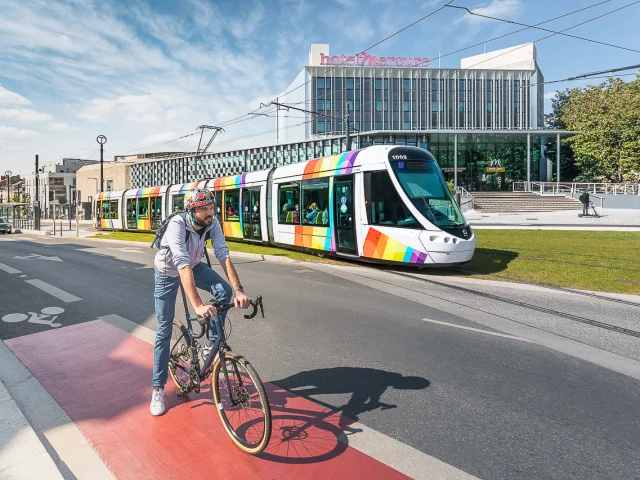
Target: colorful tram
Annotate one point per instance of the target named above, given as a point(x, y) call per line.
point(383, 204)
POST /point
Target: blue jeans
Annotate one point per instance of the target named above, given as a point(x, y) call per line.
point(166, 291)
point(585, 209)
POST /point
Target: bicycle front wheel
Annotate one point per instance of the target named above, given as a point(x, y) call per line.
point(242, 403)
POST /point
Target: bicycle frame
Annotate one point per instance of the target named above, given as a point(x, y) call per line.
point(219, 346)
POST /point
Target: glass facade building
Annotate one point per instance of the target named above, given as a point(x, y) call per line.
point(483, 122)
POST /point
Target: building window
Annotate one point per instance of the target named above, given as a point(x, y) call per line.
point(320, 127)
point(378, 105)
point(320, 105)
point(315, 202)
point(328, 82)
point(357, 105)
point(289, 202)
point(350, 105)
point(407, 125)
point(327, 104)
point(378, 127)
point(405, 106)
point(349, 83)
point(378, 84)
point(328, 127)
point(406, 84)
point(321, 83)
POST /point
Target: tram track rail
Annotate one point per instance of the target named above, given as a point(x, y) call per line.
point(538, 308)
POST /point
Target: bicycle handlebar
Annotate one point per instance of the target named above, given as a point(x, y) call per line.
point(255, 304)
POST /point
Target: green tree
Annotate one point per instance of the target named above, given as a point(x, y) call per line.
point(24, 198)
point(608, 115)
point(553, 120)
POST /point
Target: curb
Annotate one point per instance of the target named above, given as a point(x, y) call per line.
point(22, 453)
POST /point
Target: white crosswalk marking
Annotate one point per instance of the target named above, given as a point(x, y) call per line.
point(55, 291)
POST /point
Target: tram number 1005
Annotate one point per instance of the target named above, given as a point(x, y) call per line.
point(399, 157)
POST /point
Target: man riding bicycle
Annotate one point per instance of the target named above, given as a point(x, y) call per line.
point(179, 260)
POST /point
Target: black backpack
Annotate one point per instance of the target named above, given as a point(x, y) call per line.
point(165, 224)
point(581, 198)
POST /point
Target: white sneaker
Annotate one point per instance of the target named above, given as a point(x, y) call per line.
point(157, 401)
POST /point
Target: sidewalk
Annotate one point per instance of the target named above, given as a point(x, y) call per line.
point(611, 219)
point(22, 454)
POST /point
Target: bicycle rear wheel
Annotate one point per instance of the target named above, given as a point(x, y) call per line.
point(245, 410)
point(180, 357)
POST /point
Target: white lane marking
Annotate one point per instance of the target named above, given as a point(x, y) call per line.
point(55, 291)
point(35, 256)
point(394, 453)
point(495, 334)
point(9, 269)
point(139, 331)
point(129, 250)
point(401, 457)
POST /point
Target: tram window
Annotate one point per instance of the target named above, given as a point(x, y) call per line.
point(385, 205)
point(177, 203)
point(231, 205)
point(289, 202)
point(143, 208)
point(315, 201)
point(113, 208)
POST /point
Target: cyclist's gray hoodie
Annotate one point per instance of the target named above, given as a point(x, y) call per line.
point(176, 253)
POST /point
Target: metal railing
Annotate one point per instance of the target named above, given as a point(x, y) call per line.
point(570, 188)
point(462, 193)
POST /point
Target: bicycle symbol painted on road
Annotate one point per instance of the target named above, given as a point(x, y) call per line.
point(33, 317)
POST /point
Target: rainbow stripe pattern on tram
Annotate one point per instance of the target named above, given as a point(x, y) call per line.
point(317, 238)
point(382, 247)
point(329, 166)
point(232, 229)
point(229, 182)
point(148, 192)
point(190, 186)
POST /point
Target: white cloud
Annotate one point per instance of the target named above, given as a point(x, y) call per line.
point(8, 97)
point(62, 127)
point(24, 115)
point(10, 133)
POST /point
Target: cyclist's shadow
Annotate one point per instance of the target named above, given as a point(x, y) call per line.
point(304, 433)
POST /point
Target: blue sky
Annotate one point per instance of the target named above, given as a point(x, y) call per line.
point(146, 72)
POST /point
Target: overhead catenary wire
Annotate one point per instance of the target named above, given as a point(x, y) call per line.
point(554, 34)
point(543, 29)
point(253, 114)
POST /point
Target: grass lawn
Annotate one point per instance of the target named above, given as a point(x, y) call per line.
point(600, 261)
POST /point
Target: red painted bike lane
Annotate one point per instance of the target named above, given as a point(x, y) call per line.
point(101, 375)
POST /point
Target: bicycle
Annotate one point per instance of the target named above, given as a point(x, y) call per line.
point(236, 386)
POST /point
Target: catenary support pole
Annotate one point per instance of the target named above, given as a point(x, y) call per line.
point(528, 162)
point(36, 201)
point(455, 160)
point(558, 160)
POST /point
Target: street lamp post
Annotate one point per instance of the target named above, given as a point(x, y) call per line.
point(8, 174)
point(101, 140)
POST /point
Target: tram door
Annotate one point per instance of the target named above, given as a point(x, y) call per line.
point(344, 214)
point(217, 197)
point(251, 213)
point(132, 219)
point(156, 212)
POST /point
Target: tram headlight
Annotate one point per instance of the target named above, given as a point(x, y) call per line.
point(455, 240)
point(446, 239)
point(432, 238)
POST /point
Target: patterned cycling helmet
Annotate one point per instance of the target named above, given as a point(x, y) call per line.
point(198, 197)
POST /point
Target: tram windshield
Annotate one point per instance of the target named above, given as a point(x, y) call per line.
point(423, 183)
